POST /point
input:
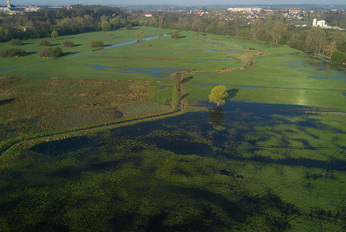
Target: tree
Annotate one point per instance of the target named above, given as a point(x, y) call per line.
point(97, 44)
point(44, 43)
point(105, 26)
point(110, 35)
point(140, 35)
point(15, 42)
point(330, 48)
point(54, 34)
point(175, 34)
point(50, 52)
point(339, 57)
point(218, 95)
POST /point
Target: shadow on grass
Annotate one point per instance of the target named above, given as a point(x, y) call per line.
point(30, 53)
point(232, 93)
point(69, 53)
point(7, 101)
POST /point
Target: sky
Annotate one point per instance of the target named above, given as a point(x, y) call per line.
point(169, 2)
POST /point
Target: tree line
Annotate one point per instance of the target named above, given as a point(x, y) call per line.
point(272, 28)
point(41, 24)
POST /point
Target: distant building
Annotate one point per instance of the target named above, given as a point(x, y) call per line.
point(245, 10)
point(321, 23)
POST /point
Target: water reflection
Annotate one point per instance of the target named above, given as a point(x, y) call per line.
point(217, 116)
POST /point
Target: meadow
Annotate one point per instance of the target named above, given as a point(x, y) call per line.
point(271, 159)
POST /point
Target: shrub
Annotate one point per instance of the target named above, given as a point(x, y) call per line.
point(175, 34)
point(282, 41)
point(44, 43)
point(129, 26)
point(97, 44)
point(252, 49)
point(339, 57)
point(50, 52)
point(12, 52)
point(15, 42)
point(54, 34)
point(68, 44)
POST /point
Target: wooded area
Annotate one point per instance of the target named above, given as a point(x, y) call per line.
point(272, 28)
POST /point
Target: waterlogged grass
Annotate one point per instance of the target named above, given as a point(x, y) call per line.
point(38, 105)
point(249, 167)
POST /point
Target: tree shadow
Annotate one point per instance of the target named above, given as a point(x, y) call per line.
point(232, 93)
point(6, 101)
point(186, 79)
point(69, 53)
point(217, 116)
point(66, 37)
point(185, 96)
point(30, 53)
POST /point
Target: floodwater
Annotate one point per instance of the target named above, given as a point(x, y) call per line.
point(215, 170)
point(155, 72)
point(107, 47)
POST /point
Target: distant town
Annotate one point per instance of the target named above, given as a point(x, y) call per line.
point(297, 14)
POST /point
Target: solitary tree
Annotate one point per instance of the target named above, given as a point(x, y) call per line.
point(218, 95)
point(54, 34)
point(110, 34)
point(175, 34)
point(140, 35)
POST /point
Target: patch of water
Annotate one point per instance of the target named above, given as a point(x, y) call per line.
point(155, 72)
point(315, 77)
point(101, 67)
point(208, 42)
point(236, 51)
point(344, 93)
point(135, 41)
point(212, 50)
point(9, 69)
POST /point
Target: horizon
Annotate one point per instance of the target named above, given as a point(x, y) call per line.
point(182, 3)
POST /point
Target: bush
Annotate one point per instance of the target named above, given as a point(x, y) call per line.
point(282, 41)
point(97, 44)
point(129, 26)
point(175, 34)
point(15, 42)
point(68, 44)
point(44, 43)
point(50, 52)
point(339, 57)
point(12, 52)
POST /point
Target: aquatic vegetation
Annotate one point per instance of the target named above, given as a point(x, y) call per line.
point(268, 168)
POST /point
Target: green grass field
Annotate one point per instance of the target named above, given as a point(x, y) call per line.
point(271, 160)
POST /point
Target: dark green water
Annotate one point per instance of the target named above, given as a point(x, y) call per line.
point(245, 167)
